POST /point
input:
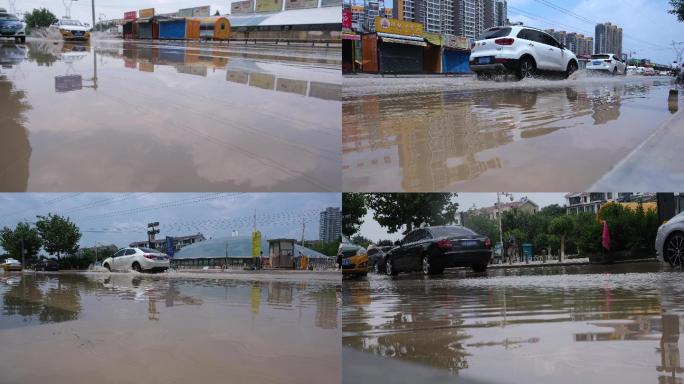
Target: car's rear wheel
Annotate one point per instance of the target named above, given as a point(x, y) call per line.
point(526, 68)
point(108, 267)
point(479, 268)
point(428, 267)
point(389, 268)
point(136, 267)
point(572, 67)
point(615, 71)
point(483, 76)
point(673, 250)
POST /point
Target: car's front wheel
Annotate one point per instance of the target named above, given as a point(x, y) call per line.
point(526, 68)
point(572, 68)
point(615, 71)
point(389, 268)
point(136, 267)
point(674, 249)
point(108, 267)
point(428, 268)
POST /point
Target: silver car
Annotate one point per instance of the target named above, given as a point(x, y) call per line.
point(670, 241)
point(137, 259)
point(607, 62)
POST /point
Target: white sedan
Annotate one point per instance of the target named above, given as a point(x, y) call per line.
point(670, 241)
point(607, 62)
point(71, 29)
point(137, 259)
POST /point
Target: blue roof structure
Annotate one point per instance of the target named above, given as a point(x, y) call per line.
point(235, 247)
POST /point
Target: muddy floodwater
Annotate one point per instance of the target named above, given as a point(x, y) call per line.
point(580, 324)
point(128, 116)
point(460, 134)
point(128, 328)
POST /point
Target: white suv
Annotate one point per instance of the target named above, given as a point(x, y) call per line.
point(137, 259)
point(521, 50)
point(607, 62)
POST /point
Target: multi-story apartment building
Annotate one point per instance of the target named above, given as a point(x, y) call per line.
point(330, 228)
point(501, 12)
point(455, 17)
point(608, 39)
point(592, 202)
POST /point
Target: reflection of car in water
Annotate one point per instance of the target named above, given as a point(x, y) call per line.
point(12, 27)
point(71, 29)
point(137, 259)
point(354, 259)
point(12, 54)
point(11, 264)
point(670, 241)
point(432, 249)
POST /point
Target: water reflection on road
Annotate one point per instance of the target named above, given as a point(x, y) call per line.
point(161, 117)
point(79, 327)
point(475, 139)
point(561, 325)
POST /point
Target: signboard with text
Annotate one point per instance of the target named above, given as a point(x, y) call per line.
point(148, 12)
point(398, 27)
point(201, 11)
point(347, 19)
point(457, 42)
point(300, 4)
point(269, 5)
point(242, 7)
point(131, 15)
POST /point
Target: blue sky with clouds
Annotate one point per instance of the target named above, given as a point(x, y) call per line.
point(122, 218)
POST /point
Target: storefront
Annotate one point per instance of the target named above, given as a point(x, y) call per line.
point(350, 52)
point(432, 54)
point(396, 47)
point(455, 54)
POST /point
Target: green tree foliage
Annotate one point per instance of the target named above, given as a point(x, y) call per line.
point(483, 225)
point(397, 211)
point(353, 211)
point(362, 241)
point(328, 249)
point(562, 226)
point(60, 235)
point(677, 9)
point(39, 18)
point(629, 228)
point(10, 240)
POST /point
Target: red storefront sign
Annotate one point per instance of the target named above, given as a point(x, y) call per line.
point(346, 18)
point(132, 15)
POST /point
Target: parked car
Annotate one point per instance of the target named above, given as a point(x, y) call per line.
point(137, 259)
point(632, 70)
point(46, 265)
point(11, 264)
point(607, 62)
point(432, 249)
point(669, 242)
point(648, 71)
point(354, 259)
point(376, 258)
point(11, 26)
point(71, 29)
point(520, 50)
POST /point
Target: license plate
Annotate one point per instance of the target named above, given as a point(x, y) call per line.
point(346, 263)
point(596, 62)
point(484, 60)
point(79, 33)
point(469, 243)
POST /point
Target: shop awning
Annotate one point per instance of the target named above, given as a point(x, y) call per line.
point(401, 39)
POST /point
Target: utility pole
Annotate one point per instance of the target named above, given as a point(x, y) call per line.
point(498, 212)
point(93, 9)
point(303, 227)
point(151, 232)
point(22, 254)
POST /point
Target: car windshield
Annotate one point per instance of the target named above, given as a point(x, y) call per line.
point(493, 33)
point(600, 56)
point(71, 22)
point(7, 16)
point(349, 253)
point(451, 231)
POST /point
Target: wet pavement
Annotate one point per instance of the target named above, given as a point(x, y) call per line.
point(128, 328)
point(123, 116)
point(460, 134)
point(588, 324)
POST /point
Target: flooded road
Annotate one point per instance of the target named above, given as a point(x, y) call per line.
point(460, 134)
point(123, 116)
point(128, 328)
point(588, 324)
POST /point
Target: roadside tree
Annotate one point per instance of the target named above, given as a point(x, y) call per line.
point(561, 226)
point(397, 211)
point(353, 211)
point(60, 235)
point(11, 241)
point(677, 9)
point(39, 18)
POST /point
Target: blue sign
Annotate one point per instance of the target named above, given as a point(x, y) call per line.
point(170, 249)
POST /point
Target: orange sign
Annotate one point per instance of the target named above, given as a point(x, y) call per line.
point(398, 27)
point(149, 12)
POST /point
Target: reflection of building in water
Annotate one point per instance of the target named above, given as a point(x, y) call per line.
point(669, 351)
point(319, 90)
point(186, 60)
point(326, 309)
point(15, 148)
point(280, 293)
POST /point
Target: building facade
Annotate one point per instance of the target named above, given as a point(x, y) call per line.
point(592, 202)
point(524, 205)
point(501, 12)
point(579, 44)
point(608, 39)
point(330, 227)
point(179, 242)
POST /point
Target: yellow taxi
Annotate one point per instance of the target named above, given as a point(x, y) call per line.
point(354, 260)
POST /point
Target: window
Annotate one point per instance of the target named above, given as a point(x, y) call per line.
point(493, 33)
point(548, 39)
point(451, 231)
point(120, 253)
point(130, 251)
point(532, 35)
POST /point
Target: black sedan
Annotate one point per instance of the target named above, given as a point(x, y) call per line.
point(432, 249)
point(46, 265)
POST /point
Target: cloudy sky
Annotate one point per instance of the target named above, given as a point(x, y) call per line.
point(372, 230)
point(121, 218)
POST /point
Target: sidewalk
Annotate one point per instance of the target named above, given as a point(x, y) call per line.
point(655, 164)
point(549, 263)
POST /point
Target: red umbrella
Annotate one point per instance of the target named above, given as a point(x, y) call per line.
point(605, 239)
